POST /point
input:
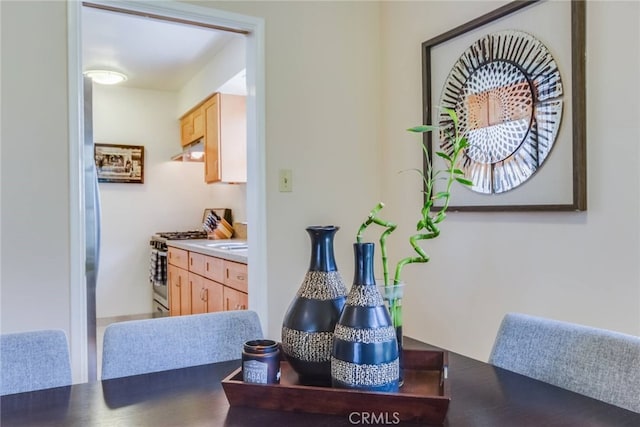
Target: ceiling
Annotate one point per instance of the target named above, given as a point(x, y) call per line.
point(154, 54)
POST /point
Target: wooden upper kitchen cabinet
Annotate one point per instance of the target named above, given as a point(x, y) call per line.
point(192, 126)
point(225, 141)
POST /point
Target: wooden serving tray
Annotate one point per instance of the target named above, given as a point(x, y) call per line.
point(423, 398)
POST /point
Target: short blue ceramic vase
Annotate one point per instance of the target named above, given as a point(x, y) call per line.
point(365, 348)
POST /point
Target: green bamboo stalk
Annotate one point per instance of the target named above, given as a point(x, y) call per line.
point(373, 219)
point(427, 225)
point(427, 222)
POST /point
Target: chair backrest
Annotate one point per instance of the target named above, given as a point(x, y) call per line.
point(151, 345)
point(34, 361)
point(594, 362)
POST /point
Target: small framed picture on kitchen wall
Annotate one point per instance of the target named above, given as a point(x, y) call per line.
point(119, 163)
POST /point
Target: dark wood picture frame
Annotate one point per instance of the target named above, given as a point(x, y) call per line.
point(578, 105)
point(119, 163)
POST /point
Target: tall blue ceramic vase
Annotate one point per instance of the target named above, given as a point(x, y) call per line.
point(307, 328)
point(365, 348)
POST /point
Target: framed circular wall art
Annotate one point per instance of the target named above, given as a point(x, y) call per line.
point(508, 91)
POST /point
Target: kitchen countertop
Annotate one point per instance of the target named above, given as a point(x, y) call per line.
point(207, 247)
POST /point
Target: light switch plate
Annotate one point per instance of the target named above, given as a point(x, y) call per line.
point(285, 183)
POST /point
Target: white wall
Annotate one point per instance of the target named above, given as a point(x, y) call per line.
point(580, 267)
point(172, 198)
point(322, 117)
point(226, 63)
point(35, 167)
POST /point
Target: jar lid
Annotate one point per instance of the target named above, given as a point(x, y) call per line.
point(261, 346)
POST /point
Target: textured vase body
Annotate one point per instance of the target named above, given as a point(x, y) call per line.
point(307, 328)
point(365, 348)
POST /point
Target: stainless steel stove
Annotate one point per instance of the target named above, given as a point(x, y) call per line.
point(180, 235)
point(158, 264)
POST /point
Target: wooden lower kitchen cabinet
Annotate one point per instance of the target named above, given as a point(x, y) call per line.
point(207, 266)
point(179, 291)
point(178, 257)
point(202, 283)
point(178, 281)
point(206, 295)
point(236, 286)
point(235, 300)
point(235, 276)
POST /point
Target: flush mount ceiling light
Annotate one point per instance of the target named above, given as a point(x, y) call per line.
point(105, 77)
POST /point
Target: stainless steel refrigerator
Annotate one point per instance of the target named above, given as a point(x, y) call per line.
point(92, 228)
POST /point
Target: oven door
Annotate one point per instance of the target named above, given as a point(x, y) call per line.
point(158, 276)
point(160, 295)
point(159, 310)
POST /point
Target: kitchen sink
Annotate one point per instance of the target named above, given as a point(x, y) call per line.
point(228, 246)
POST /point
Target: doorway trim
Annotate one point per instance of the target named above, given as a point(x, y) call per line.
point(256, 157)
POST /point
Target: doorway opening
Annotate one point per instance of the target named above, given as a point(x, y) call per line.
point(83, 315)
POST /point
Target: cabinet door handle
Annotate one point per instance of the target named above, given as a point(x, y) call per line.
point(207, 265)
point(206, 295)
point(201, 291)
point(191, 261)
point(227, 304)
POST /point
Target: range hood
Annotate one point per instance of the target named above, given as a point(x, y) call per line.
point(193, 152)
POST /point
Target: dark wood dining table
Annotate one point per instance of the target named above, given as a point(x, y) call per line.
point(481, 395)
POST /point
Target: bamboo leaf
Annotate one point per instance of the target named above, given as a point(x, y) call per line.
point(458, 172)
point(464, 181)
point(418, 171)
point(443, 155)
point(422, 128)
point(452, 114)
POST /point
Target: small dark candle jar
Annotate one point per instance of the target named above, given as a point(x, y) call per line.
point(261, 362)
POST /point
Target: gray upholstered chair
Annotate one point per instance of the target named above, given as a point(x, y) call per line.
point(33, 361)
point(152, 345)
point(598, 363)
